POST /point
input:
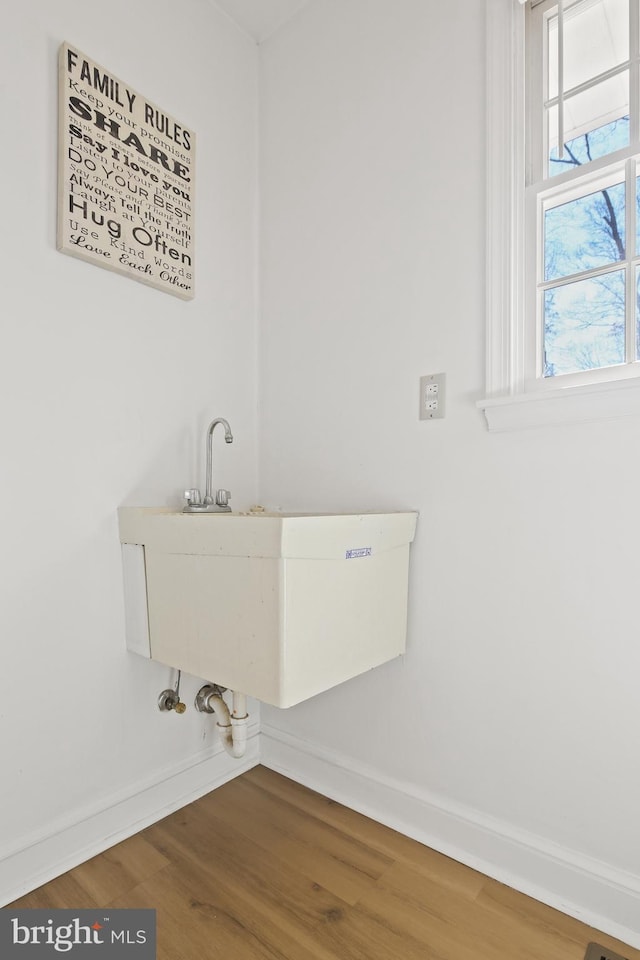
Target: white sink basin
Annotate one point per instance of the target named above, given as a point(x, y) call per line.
point(279, 606)
point(264, 534)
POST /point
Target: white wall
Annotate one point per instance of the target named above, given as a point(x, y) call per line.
point(106, 389)
point(517, 698)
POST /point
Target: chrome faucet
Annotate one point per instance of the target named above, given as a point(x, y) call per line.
point(220, 502)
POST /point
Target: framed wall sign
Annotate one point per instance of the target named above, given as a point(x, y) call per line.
point(126, 179)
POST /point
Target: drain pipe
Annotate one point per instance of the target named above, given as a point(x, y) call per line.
point(231, 724)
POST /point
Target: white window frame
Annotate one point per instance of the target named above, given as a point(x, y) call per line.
point(510, 403)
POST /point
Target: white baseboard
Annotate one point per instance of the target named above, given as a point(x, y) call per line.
point(593, 892)
point(586, 889)
point(35, 860)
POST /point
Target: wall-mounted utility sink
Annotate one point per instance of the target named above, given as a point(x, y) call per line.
point(277, 605)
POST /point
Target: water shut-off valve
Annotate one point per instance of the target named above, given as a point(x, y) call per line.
point(170, 699)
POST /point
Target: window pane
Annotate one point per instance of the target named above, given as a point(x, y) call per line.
point(590, 146)
point(584, 325)
point(596, 122)
point(596, 38)
point(585, 234)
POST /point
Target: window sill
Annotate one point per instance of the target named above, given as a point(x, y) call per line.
point(602, 401)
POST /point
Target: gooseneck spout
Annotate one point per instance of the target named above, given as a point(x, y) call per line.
point(217, 502)
point(228, 436)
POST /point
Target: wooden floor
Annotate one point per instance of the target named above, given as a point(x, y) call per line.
point(264, 868)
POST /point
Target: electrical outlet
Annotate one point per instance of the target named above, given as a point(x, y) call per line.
point(596, 951)
point(432, 396)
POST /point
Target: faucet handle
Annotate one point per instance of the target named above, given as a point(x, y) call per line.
point(193, 497)
point(223, 497)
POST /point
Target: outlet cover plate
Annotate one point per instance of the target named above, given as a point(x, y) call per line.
point(432, 396)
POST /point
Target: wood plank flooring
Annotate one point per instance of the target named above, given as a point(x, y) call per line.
point(264, 869)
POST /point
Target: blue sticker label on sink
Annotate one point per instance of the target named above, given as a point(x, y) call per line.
point(358, 552)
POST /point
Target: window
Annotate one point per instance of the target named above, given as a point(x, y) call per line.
point(564, 210)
